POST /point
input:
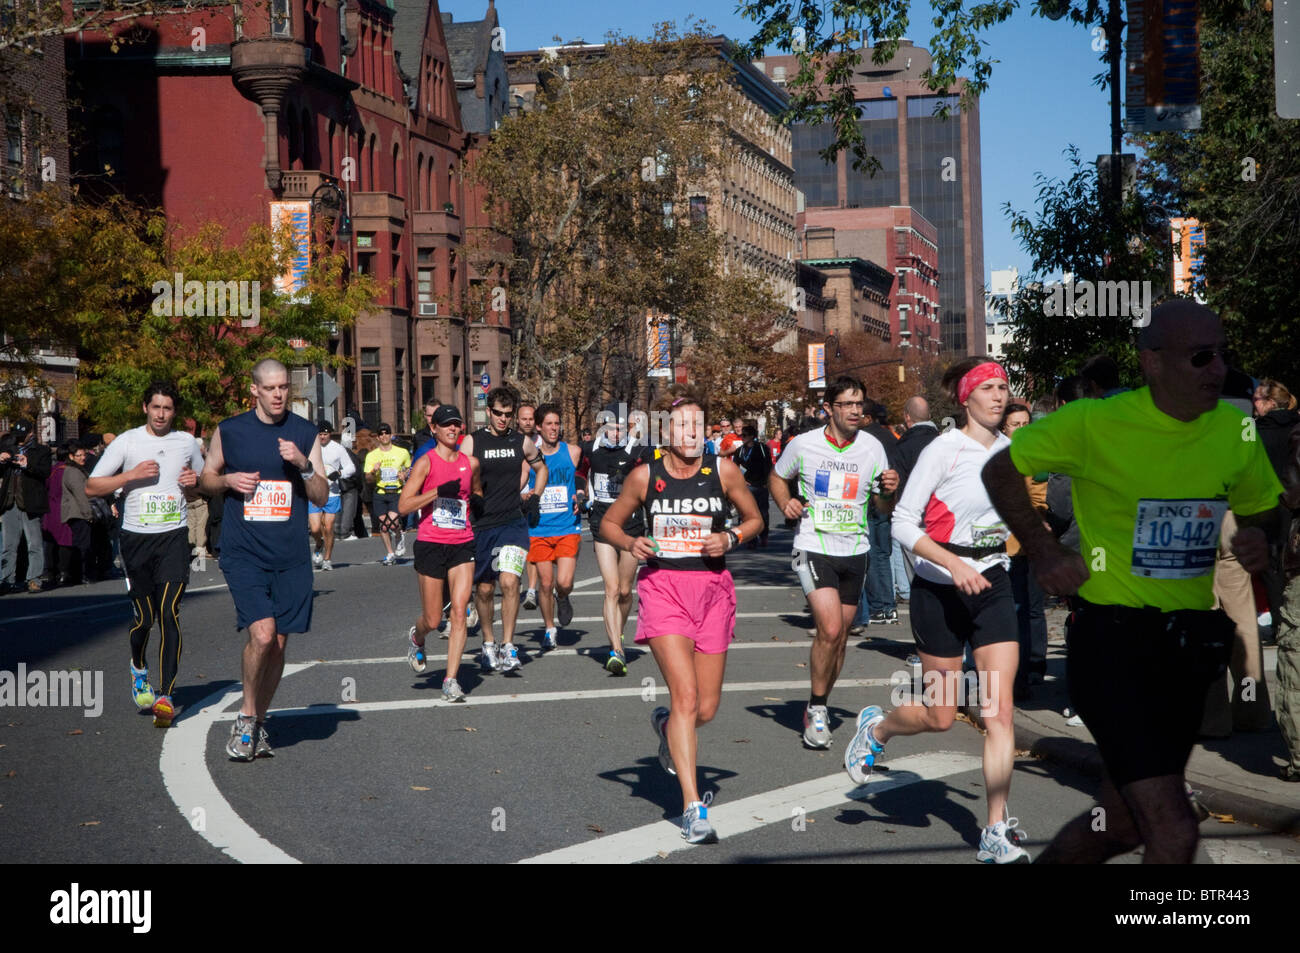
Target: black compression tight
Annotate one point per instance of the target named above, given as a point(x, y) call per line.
point(163, 604)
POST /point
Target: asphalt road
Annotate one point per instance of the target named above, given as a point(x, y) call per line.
point(557, 763)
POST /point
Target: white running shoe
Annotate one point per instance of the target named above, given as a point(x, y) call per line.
point(695, 822)
point(490, 662)
point(863, 751)
point(390, 560)
point(530, 599)
point(659, 725)
point(509, 658)
point(327, 565)
point(816, 727)
point(451, 691)
point(414, 653)
point(998, 844)
point(317, 559)
point(549, 639)
point(400, 549)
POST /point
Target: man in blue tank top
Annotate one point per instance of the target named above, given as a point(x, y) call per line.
point(265, 464)
point(553, 542)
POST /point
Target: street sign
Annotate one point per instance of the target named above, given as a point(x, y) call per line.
point(329, 388)
point(485, 380)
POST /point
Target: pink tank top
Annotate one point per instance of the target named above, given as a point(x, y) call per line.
point(446, 519)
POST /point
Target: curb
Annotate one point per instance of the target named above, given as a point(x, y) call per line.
point(1084, 757)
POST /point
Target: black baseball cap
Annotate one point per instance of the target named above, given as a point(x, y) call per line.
point(22, 428)
point(384, 428)
point(324, 427)
point(447, 414)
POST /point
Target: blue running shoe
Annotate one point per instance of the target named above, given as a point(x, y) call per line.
point(863, 751)
point(141, 691)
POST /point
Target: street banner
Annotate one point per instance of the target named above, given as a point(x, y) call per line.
point(1188, 237)
point(816, 366)
point(298, 217)
point(659, 346)
point(1163, 50)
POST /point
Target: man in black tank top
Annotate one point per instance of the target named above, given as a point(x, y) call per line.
point(500, 527)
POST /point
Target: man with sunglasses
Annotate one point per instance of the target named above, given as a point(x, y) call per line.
point(387, 467)
point(501, 529)
point(1154, 471)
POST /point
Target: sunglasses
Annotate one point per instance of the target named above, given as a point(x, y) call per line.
point(385, 433)
point(502, 413)
point(1205, 356)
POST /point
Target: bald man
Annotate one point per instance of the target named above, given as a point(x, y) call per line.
point(265, 464)
point(1155, 471)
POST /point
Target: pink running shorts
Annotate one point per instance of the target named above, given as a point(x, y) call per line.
point(698, 605)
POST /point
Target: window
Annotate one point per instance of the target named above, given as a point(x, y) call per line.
point(370, 357)
point(699, 211)
point(428, 386)
point(14, 152)
point(280, 23)
point(424, 285)
point(429, 362)
point(399, 380)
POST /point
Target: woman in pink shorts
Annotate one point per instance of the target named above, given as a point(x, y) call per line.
point(687, 598)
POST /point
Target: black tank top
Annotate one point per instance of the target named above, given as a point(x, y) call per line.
point(609, 467)
point(680, 514)
point(499, 462)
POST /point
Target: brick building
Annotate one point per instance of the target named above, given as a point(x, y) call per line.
point(298, 96)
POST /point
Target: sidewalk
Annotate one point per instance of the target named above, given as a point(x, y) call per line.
point(1234, 776)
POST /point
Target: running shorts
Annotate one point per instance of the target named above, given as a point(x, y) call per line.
point(1139, 678)
point(500, 549)
point(281, 594)
point(842, 573)
point(434, 559)
point(332, 505)
point(152, 558)
point(698, 605)
point(384, 503)
point(547, 549)
point(945, 620)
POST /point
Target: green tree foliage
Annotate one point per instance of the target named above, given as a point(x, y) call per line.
point(589, 190)
point(1240, 177)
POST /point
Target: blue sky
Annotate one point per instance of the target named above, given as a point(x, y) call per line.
point(1040, 98)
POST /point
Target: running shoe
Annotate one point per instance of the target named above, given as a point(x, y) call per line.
point(451, 691)
point(563, 610)
point(695, 822)
point(549, 640)
point(141, 692)
point(242, 745)
point(400, 549)
point(659, 725)
point(327, 565)
point(471, 616)
point(263, 743)
point(509, 658)
point(530, 599)
point(863, 751)
point(317, 559)
point(616, 664)
point(885, 617)
point(414, 653)
point(998, 847)
point(490, 662)
point(390, 559)
point(816, 727)
point(163, 712)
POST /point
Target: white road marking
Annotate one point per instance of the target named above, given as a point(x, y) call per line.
point(185, 774)
point(751, 813)
point(553, 653)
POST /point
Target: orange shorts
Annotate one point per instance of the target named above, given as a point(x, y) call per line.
point(547, 549)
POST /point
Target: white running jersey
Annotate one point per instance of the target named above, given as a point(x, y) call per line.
point(336, 458)
point(836, 483)
point(944, 498)
point(159, 505)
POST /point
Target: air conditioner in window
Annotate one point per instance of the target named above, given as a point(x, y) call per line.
point(428, 309)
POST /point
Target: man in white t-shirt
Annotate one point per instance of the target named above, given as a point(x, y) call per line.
point(158, 470)
point(838, 468)
point(320, 519)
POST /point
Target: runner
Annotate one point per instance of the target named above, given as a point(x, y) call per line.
point(526, 424)
point(267, 464)
point(613, 456)
point(387, 467)
point(961, 597)
point(501, 532)
point(1154, 471)
point(838, 467)
point(555, 539)
point(158, 469)
point(444, 545)
point(688, 599)
point(320, 519)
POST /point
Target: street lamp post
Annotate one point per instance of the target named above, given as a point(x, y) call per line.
point(329, 203)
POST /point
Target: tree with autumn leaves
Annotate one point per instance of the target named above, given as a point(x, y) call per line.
point(590, 192)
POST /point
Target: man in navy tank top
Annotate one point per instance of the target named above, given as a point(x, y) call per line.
point(265, 464)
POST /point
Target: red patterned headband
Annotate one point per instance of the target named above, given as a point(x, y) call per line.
point(978, 375)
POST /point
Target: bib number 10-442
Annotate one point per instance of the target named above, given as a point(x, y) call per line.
point(1176, 539)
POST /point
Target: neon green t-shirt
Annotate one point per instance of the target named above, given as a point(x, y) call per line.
point(390, 463)
point(1150, 492)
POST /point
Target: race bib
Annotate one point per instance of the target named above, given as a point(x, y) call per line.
point(682, 535)
point(1176, 539)
point(160, 509)
point(511, 559)
point(833, 516)
point(555, 499)
point(602, 490)
point(450, 513)
point(388, 474)
point(988, 536)
point(272, 502)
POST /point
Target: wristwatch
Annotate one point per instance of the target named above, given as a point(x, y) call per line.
point(308, 473)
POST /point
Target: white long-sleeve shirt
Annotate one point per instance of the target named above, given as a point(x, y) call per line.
point(944, 498)
point(336, 458)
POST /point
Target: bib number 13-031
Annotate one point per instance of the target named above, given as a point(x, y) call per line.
point(1176, 539)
